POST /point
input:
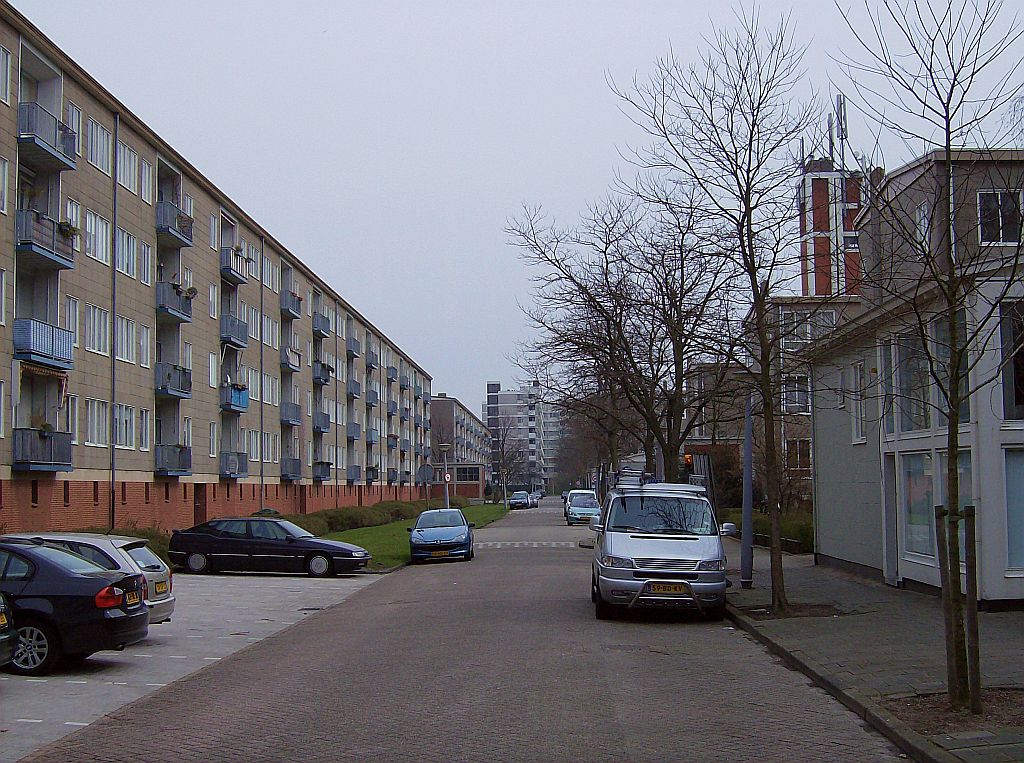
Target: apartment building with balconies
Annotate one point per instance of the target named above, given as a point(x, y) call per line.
point(163, 358)
point(469, 452)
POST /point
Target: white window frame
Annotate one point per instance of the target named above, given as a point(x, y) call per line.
point(5, 168)
point(97, 423)
point(145, 335)
point(145, 419)
point(97, 237)
point(99, 148)
point(186, 432)
point(214, 373)
point(214, 300)
point(857, 407)
point(74, 217)
point(125, 337)
point(1020, 208)
point(124, 426)
point(69, 417)
point(127, 167)
point(97, 337)
point(145, 263)
point(74, 121)
point(146, 181)
point(126, 253)
point(790, 393)
point(71, 313)
point(213, 233)
point(5, 75)
point(213, 440)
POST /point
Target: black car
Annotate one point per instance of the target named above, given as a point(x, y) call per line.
point(67, 606)
point(261, 544)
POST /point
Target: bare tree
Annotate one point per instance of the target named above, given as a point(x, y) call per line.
point(726, 126)
point(940, 76)
point(509, 453)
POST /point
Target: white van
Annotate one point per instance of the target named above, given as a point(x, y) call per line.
point(658, 545)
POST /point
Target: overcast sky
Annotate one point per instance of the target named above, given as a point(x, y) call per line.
point(387, 143)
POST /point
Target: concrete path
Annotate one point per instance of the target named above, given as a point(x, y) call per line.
point(498, 659)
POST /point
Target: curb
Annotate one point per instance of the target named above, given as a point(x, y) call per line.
point(892, 728)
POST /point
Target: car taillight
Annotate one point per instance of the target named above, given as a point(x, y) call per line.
point(109, 597)
point(145, 589)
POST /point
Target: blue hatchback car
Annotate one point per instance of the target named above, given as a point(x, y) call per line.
point(441, 534)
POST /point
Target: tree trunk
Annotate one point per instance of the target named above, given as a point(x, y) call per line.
point(780, 602)
point(650, 463)
point(958, 693)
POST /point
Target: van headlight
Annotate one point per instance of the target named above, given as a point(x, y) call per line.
point(712, 565)
point(620, 562)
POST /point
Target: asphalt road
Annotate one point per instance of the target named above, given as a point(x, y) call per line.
point(498, 659)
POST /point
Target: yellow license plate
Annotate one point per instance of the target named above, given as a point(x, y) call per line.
point(3, 620)
point(668, 588)
point(439, 553)
point(132, 597)
point(161, 588)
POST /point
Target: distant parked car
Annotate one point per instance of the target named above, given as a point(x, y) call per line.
point(519, 500)
point(262, 544)
point(535, 499)
point(119, 552)
point(441, 534)
point(582, 508)
point(67, 606)
point(8, 635)
point(565, 494)
point(572, 494)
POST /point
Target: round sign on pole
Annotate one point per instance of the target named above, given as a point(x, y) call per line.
point(447, 476)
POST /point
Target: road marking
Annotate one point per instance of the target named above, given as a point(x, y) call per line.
point(178, 656)
point(157, 685)
point(524, 544)
point(30, 720)
point(140, 654)
point(75, 723)
point(76, 682)
point(211, 658)
point(37, 680)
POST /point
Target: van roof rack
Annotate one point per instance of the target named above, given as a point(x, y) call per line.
point(631, 477)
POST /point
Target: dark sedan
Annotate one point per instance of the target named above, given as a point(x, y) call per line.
point(8, 635)
point(66, 606)
point(263, 545)
point(441, 534)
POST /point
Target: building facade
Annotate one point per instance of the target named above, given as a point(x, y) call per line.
point(164, 359)
point(530, 425)
point(469, 457)
point(879, 429)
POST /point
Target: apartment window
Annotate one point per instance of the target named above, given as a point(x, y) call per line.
point(144, 428)
point(97, 237)
point(213, 439)
point(186, 277)
point(5, 75)
point(97, 422)
point(918, 507)
point(187, 204)
point(97, 329)
point(99, 148)
point(796, 394)
point(467, 474)
point(1011, 331)
point(214, 300)
point(4, 169)
point(126, 253)
point(213, 232)
point(254, 445)
point(922, 230)
point(124, 426)
point(275, 447)
point(147, 182)
point(71, 317)
point(145, 263)
point(124, 339)
point(74, 214)
point(913, 383)
point(186, 355)
point(69, 417)
point(857, 409)
point(268, 450)
point(145, 340)
point(213, 369)
point(186, 432)
point(127, 167)
point(999, 217)
point(74, 121)
point(3, 297)
point(252, 259)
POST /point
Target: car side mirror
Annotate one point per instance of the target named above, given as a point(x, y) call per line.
point(472, 524)
point(291, 538)
point(595, 525)
point(408, 529)
point(729, 529)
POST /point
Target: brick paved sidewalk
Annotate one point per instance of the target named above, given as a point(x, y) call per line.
point(886, 642)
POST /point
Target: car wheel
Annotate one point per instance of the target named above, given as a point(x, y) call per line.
point(38, 649)
point(197, 563)
point(318, 566)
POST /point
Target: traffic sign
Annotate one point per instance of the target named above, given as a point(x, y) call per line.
point(447, 476)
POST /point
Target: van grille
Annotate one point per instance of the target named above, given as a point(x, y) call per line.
point(683, 565)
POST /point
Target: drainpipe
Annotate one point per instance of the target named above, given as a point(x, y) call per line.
point(263, 392)
point(112, 434)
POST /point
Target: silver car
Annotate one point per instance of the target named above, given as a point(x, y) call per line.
point(119, 552)
point(658, 545)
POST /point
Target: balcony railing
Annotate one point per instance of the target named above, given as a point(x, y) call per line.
point(372, 473)
point(321, 422)
point(41, 450)
point(173, 227)
point(392, 441)
point(43, 343)
point(234, 464)
point(404, 416)
point(353, 388)
point(174, 302)
point(372, 359)
point(321, 325)
point(372, 436)
point(234, 331)
point(232, 265)
point(291, 469)
point(173, 381)
point(291, 413)
point(173, 460)
point(392, 408)
point(48, 241)
point(354, 472)
point(372, 398)
point(392, 374)
point(418, 391)
point(291, 304)
point(403, 381)
point(404, 446)
point(291, 359)
point(321, 372)
point(322, 470)
point(44, 142)
point(418, 420)
point(392, 475)
point(352, 347)
point(354, 430)
point(234, 399)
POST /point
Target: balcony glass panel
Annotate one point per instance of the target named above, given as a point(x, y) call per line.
point(44, 141)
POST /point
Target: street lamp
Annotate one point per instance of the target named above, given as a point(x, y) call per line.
point(444, 447)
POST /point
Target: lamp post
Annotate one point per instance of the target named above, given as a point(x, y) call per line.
point(444, 447)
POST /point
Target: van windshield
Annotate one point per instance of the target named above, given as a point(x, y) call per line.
point(662, 514)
